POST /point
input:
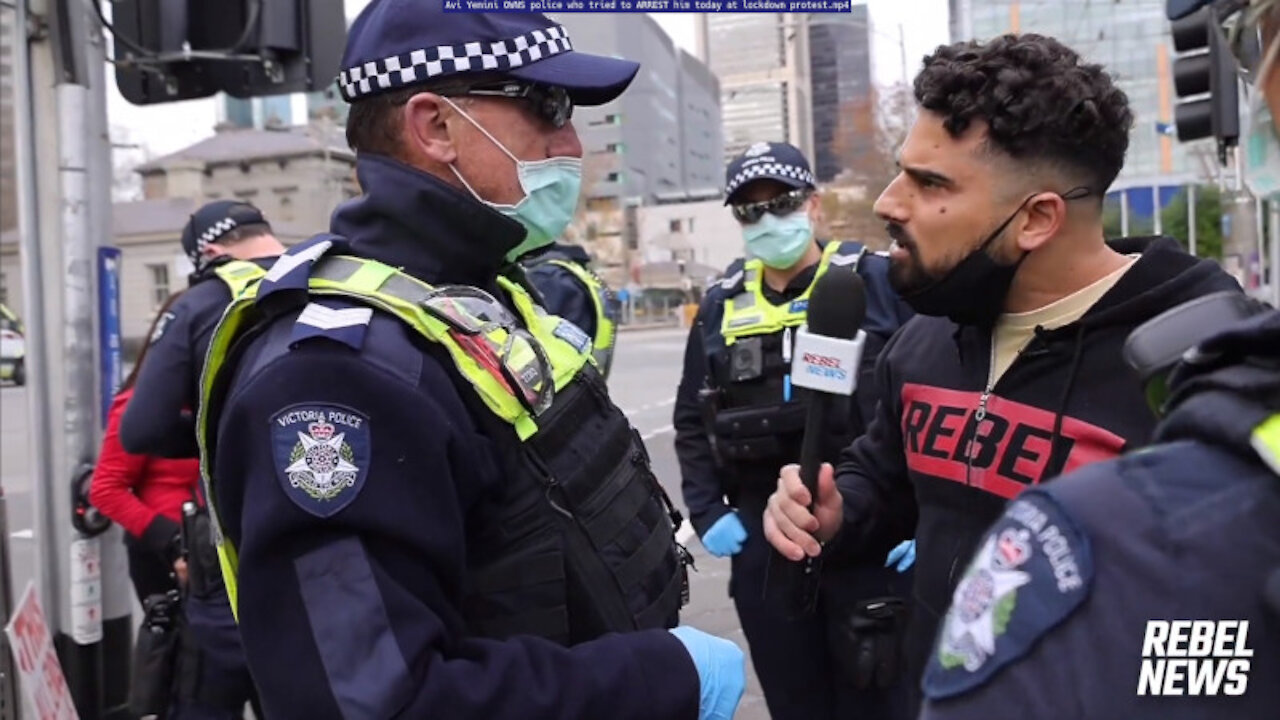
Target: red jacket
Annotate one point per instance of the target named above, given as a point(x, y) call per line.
point(144, 494)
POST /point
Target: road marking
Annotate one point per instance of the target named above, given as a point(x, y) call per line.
point(28, 534)
point(660, 431)
point(685, 533)
point(650, 406)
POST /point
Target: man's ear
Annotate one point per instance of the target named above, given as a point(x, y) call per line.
point(423, 128)
point(1046, 213)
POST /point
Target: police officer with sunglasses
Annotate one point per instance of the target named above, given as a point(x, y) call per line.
point(426, 503)
point(737, 420)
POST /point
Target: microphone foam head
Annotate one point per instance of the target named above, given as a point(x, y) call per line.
point(838, 304)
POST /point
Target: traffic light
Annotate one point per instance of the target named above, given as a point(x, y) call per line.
point(169, 50)
point(1204, 77)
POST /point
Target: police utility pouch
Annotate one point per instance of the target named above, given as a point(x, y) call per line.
point(867, 644)
point(155, 655)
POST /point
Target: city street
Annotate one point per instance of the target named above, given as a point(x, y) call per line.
point(645, 373)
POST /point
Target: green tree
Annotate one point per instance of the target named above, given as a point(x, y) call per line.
point(1208, 221)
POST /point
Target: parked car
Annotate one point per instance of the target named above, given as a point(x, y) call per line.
point(13, 348)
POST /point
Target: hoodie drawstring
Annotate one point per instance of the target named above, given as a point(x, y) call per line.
point(1057, 459)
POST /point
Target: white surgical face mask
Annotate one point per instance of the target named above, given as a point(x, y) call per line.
point(551, 188)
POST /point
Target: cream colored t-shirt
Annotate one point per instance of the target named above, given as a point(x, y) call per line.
point(1014, 330)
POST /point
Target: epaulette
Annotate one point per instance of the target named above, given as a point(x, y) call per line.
point(339, 320)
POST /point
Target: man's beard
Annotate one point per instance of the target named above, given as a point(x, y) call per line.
point(907, 276)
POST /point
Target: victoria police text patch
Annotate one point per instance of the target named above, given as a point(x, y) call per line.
point(1030, 573)
point(321, 454)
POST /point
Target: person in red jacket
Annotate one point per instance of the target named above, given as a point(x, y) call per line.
point(144, 494)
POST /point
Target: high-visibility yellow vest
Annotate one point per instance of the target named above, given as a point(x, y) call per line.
point(606, 326)
point(401, 295)
point(748, 313)
point(239, 275)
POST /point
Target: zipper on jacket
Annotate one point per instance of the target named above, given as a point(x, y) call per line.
point(981, 413)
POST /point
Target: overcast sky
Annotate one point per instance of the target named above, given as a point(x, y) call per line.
point(169, 127)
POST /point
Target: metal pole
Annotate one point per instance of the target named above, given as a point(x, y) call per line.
point(1274, 207)
point(116, 589)
point(1155, 209)
point(38, 350)
point(1191, 218)
point(58, 263)
point(902, 50)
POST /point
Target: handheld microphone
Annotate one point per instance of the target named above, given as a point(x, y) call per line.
point(825, 361)
point(826, 358)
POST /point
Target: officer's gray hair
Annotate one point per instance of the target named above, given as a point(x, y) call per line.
point(374, 123)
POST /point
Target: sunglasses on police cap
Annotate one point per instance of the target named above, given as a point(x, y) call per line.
point(782, 205)
point(549, 102)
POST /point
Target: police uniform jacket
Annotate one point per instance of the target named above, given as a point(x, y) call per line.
point(1053, 616)
point(562, 292)
point(706, 355)
point(160, 418)
point(355, 610)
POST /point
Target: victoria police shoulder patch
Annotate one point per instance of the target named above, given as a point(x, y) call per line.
point(1032, 571)
point(322, 455)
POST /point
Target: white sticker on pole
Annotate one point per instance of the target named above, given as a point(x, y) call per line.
point(86, 591)
point(39, 672)
point(826, 364)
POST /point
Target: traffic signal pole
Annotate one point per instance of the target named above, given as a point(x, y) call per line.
point(63, 155)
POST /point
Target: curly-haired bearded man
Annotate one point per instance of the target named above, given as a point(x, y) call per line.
point(1012, 373)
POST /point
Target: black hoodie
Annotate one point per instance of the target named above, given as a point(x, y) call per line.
point(1068, 390)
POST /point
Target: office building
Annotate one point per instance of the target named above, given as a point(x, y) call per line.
point(661, 139)
point(1130, 38)
point(660, 142)
point(762, 61)
point(840, 74)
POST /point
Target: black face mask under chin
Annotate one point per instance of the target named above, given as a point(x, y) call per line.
point(973, 292)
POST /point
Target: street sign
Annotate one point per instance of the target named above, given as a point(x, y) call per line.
point(86, 591)
point(109, 325)
point(42, 681)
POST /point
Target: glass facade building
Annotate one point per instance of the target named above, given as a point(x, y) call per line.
point(840, 72)
point(1127, 37)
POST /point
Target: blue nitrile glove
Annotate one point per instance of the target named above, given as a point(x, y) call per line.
point(906, 552)
point(722, 672)
point(725, 535)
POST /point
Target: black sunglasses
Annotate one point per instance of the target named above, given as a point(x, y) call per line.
point(551, 103)
point(784, 204)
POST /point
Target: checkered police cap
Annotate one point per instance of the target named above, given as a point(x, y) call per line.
point(400, 43)
point(212, 221)
point(774, 161)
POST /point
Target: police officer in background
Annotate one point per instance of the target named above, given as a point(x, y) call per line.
point(562, 275)
point(1090, 577)
point(737, 420)
point(429, 505)
point(230, 245)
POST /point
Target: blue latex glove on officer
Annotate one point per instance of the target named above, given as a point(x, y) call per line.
point(725, 536)
point(904, 554)
point(721, 672)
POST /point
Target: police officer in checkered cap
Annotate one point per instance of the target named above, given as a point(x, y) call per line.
point(226, 241)
point(430, 507)
point(230, 244)
point(737, 421)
